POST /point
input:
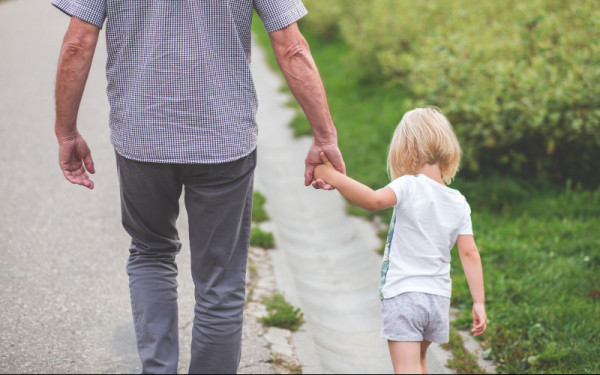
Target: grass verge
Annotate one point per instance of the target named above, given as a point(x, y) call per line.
point(282, 314)
point(462, 361)
point(259, 214)
point(259, 238)
point(539, 243)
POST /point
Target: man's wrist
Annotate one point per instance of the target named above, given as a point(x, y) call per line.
point(324, 141)
point(65, 135)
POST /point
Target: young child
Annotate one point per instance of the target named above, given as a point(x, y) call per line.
point(429, 219)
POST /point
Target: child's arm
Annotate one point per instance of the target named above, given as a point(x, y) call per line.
point(357, 193)
point(471, 262)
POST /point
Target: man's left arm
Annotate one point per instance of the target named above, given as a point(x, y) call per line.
point(74, 65)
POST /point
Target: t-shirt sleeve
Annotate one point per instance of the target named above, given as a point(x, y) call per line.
point(466, 226)
point(90, 11)
point(400, 187)
point(278, 14)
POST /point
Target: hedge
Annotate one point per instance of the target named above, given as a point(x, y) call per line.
point(518, 80)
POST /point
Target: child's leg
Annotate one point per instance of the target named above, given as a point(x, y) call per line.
point(406, 356)
point(424, 345)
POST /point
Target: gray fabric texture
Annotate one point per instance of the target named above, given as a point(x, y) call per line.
point(218, 200)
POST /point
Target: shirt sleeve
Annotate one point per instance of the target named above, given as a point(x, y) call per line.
point(277, 14)
point(90, 11)
point(400, 187)
point(466, 226)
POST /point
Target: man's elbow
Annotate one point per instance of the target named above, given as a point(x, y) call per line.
point(79, 40)
point(295, 50)
point(79, 44)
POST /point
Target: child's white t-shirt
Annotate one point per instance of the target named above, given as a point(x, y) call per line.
point(429, 217)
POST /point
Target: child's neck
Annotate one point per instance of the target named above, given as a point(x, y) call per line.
point(432, 171)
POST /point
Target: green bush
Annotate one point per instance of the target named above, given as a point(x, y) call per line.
point(518, 80)
point(325, 16)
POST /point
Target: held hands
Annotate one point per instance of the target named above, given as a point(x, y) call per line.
point(323, 171)
point(479, 319)
point(75, 160)
point(314, 159)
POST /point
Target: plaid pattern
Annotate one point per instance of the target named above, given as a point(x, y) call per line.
point(178, 71)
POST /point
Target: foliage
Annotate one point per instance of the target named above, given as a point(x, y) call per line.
point(541, 257)
point(282, 314)
point(538, 242)
point(259, 238)
point(258, 208)
point(516, 79)
point(324, 16)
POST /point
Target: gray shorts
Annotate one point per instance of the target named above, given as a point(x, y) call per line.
point(416, 317)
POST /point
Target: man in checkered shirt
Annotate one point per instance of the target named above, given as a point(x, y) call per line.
point(182, 115)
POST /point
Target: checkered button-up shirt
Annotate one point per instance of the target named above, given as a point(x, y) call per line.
point(178, 71)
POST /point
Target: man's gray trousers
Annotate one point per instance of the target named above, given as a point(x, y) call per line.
point(218, 199)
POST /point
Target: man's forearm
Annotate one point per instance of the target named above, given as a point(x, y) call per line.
point(302, 76)
point(74, 65)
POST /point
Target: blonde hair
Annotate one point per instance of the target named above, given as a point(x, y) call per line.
point(424, 136)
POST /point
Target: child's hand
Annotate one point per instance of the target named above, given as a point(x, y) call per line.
point(323, 171)
point(479, 319)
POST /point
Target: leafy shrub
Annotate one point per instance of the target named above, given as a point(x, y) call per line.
point(325, 16)
point(516, 79)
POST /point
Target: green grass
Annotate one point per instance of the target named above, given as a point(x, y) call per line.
point(462, 361)
point(539, 243)
point(259, 214)
point(541, 259)
point(259, 238)
point(282, 314)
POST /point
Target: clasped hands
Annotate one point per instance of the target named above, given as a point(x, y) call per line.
point(322, 155)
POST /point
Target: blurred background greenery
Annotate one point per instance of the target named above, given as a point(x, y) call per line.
point(519, 82)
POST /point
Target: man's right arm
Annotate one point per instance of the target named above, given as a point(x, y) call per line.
point(301, 74)
point(74, 64)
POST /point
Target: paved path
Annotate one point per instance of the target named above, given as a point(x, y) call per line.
point(64, 299)
point(64, 296)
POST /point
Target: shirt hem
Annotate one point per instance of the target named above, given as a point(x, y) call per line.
point(397, 292)
point(286, 19)
point(81, 12)
point(129, 156)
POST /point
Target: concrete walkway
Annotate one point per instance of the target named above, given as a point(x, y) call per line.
point(64, 296)
point(64, 299)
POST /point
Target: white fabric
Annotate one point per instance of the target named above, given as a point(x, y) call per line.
point(429, 218)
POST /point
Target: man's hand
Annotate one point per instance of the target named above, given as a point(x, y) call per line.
point(332, 152)
point(75, 160)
